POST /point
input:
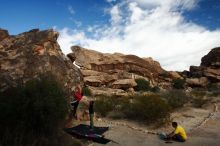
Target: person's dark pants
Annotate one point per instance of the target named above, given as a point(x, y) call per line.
point(178, 138)
point(91, 116)
point(74, 109)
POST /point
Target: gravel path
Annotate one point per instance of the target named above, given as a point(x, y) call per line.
point(200, 133)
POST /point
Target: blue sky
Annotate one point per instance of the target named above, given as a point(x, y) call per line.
point(21, 15)
point(207, 13)
point(177, 33)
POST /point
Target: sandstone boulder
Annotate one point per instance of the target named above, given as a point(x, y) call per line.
point(197, 82)
point(124, 84)
point(213, 74)
point(209, 68)
point(174, 75)
point(86, 73)
point(93, 81)
point(96, 79)
point(108, 68)
point(29, 54)
point(212, 58)
point(3, 34)
point(196, 71)
point(107, 91)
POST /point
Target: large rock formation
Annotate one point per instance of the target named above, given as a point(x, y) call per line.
point(197, 82)
point(27, 55)
point(208, 72)
point(212, 59)
point(3, 34)
point(117, 71)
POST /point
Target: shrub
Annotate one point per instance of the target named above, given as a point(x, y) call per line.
point(142, 108)
point(104, 105)
point(175, 98)
point(155, 89)
point(178, 83)
point(165, 74)
point(214, 89)
point(198, 93)
point(32, 114)
point(86, 91)
point(199, 101)
point(148, 108)
point(142, 85)
point(199, 98)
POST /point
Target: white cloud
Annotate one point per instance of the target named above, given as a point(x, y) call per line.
point(69, 38)
point(115, 15)
point(110, 1)
point(169, 4)
point(71, 10)
point(76, 22)
point(148, 28)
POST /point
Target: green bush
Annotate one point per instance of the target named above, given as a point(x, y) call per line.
point(32, 114)
point(178, 83)
point(148, 108)
point(142, 85)
point(176, 98)
point(86, 91)
point(155, 89)
point(104, 105)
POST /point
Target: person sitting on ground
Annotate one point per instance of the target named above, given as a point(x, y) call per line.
point(91, 114)
point(77, 97)
point(178, 134)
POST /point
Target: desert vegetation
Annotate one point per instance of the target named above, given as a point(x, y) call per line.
point(86, 91)
point(175, 98)
point(214, 90)
point(149, 107)
point(200, 97)
point(144, 108)
point(178, 83)
point(144, 86)
point(33, 114)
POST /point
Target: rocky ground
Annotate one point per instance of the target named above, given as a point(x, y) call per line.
point(202, 126)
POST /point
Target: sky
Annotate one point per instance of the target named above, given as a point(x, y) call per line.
point(177, 33)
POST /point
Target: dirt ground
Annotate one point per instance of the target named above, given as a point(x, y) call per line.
point(202, 127)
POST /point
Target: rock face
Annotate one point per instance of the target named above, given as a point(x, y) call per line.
point(3, 34)
point(116, 71)
point(209, 69)
point(196, 82)
point(212, 59)
point(108, 91)
point(27, 55)
point(124, 84)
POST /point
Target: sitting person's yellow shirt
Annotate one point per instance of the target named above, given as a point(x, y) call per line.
point(180, 131)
